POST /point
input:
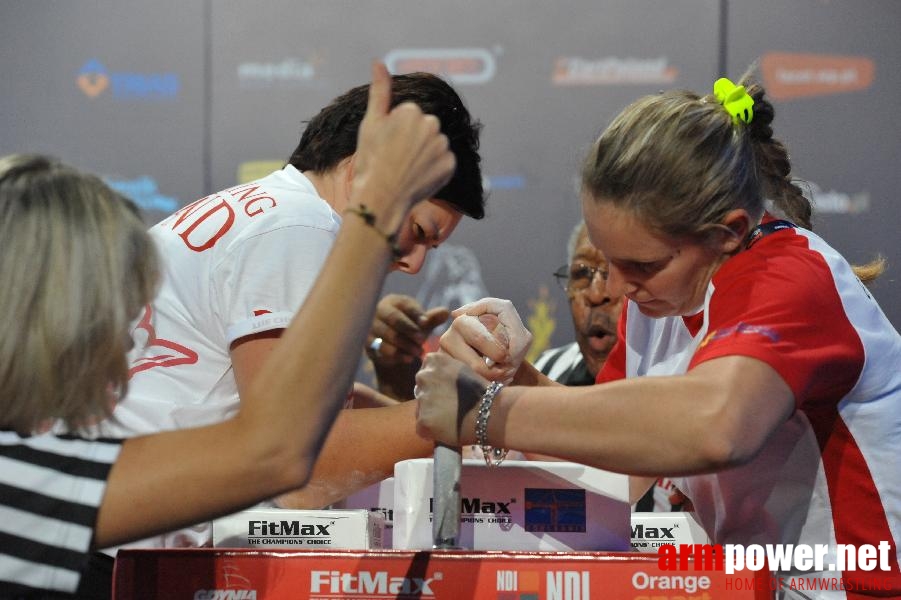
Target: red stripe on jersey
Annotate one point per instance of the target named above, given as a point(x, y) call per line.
point(778, 303)
point(858, 514)
point(614, 367)
point(693, 323)
point(798, 326)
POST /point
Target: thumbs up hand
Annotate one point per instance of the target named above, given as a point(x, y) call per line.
point(402, 157)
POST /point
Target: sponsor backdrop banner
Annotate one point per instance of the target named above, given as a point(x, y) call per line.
point(832, 68)
point(114, 87)
point(176, 100)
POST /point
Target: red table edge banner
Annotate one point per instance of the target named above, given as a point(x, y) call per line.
point(245, 574)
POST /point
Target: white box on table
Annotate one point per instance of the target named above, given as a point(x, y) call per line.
point(650, 530)
point(519, 505)
point(379, 498)
point(299, 529)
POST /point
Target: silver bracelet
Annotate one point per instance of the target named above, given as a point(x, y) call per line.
point(493, 456)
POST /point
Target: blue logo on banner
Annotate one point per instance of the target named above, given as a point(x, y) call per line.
point(554, 510)
point(505, 182)
point(94, 79)
point(144, 192)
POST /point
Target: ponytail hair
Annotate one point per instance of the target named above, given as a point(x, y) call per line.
point(680, 164)
point(773, 164)
point(774, 169)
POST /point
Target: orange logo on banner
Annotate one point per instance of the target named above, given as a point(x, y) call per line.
point(460, 65)
point(789, 76)
point(93, 84)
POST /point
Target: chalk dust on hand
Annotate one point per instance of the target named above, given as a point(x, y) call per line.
point(493, 324)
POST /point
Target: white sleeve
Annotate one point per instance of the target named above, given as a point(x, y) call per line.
point(261, 282)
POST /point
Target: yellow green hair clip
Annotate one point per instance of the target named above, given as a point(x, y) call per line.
point(734, 99)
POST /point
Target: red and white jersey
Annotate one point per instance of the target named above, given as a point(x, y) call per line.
point(830, 473)
point(235, 263)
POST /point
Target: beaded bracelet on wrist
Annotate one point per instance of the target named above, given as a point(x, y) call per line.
point(368, 217)
point(493, 456)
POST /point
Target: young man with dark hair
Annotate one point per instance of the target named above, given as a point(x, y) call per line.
point(239, 263)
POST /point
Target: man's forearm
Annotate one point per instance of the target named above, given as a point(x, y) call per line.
point(361, 449)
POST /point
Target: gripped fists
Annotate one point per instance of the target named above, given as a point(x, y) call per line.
point(401, 158)
point(489, 337)
point(448, 391)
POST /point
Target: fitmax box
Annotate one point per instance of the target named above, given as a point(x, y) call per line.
point(650, 530)
point(378, 497)
point(299, 529)
point(519, 505)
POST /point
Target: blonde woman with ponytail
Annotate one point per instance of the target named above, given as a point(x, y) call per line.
point(749, 351)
